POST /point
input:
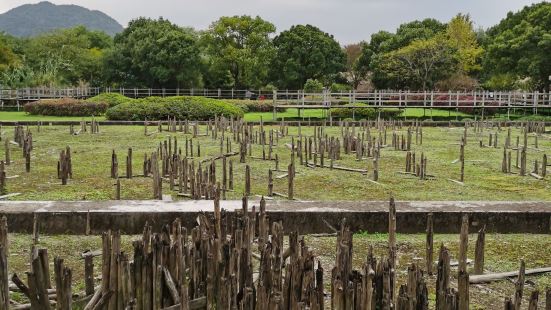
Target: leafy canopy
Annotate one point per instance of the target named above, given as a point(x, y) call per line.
point(154, 53)
point(305, 52)
point(238, 51)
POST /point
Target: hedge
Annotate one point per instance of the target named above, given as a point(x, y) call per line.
point(364, 113)
point(157, 108)
point(112, 99)
point(65, 107)
point(255, 105)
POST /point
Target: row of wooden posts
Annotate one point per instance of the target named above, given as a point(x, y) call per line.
point(238, 260)
point(310, 151)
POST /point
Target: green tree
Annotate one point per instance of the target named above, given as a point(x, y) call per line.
point(358, 60)
point(461, 35)
point(305, 52)
point(238, 52)
point(72, 56)
point(520, 45)
point(154, 53)
point(419, 65)
point(7, 56)
point(386, 69)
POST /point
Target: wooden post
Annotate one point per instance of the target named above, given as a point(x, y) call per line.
point(519, 286)
point(392, 246)
point(230, 172)
point(429, 257)
point(89, 275)
point(35, 229)
point(290, 179)
point(270, 183)
point(462, 159)
point(129, 164)
point(114, 165)
point(463, 275)
point(247, 180)
point(479, 252)
point(118, 190)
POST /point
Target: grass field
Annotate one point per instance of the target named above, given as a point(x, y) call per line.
point(91, 166)
point(503, 253)
point(293, 113)
point(23, 116)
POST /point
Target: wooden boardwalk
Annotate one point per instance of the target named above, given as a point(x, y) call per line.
point(303, 100)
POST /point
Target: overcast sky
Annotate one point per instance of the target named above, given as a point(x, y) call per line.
point(348, 20)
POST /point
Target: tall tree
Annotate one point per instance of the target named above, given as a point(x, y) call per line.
point(521, 44)
point(238, 51)
point(154, 53)
point(419, 65)
point(305, 52)
point(461, 35)
point(358, 60)
point(67, 56)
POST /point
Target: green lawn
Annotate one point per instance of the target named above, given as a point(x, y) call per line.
point(91, 164)
point(292, 114)
point(23, 116)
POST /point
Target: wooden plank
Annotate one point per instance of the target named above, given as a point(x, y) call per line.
point(475, 279)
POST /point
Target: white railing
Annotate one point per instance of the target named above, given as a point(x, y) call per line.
point(301, 99)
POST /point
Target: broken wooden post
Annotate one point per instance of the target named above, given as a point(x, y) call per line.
point(462, 160)
point(36, 233)
point(270, 183)
point(89, 275)
point(247, 180)
point(230, 173)
point(7, 152)
point(443, 278)
point(118, 190)
point(463, 275)
point(114, 165)
point(290, 180)
point(479, 251)
point(519, 285)
point(129, 164)
point(2, 178)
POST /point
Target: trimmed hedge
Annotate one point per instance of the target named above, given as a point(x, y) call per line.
point(255, 105)
point(65, 107)
point(364, 113)
point(157, 108)
point(112, 99)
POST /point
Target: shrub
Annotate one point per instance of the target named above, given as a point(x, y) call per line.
point(157, 108)
point(65, 107)
point(335, 87)
point(364, 113)
point(255, 105)
point(313, 86)
point(112, 99)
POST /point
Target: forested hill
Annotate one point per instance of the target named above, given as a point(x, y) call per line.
point(32, 19)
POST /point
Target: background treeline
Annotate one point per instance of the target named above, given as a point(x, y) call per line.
point(244, 52)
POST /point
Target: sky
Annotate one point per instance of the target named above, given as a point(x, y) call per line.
point(349, 21)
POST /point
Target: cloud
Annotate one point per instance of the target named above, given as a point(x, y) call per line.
point(348, 20)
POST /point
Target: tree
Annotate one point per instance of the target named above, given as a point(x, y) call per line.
point(358, 60)
point(461, 35)
point(305, 52)
point(521, 44)
point(7, 56)
point(154, 53)
point(239, 51)
point(420, 64)
point(66, 57)
point(388, 70)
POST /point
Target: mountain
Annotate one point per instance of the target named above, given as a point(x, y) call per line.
point(32, 19)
